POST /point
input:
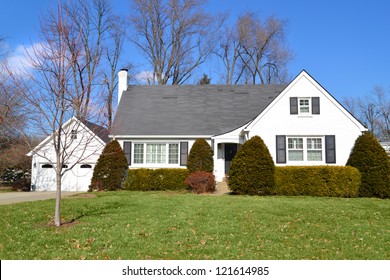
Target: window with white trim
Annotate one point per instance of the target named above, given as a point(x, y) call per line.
point(304, 106)
point(156, 153)
point(173, 154)
point(314, 149)
point(304, 148)
point(138, 153)
point(295, 149)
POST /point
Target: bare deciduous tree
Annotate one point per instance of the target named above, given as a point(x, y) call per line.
point(48, 87)
point(89, 21)
point(175, 36)
point(12, 110)
point(253, 51)
point(112, 53)
point(373, 111)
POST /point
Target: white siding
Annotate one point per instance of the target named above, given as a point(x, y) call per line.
point(161, 140)
point(86, 149)
point(332, 120)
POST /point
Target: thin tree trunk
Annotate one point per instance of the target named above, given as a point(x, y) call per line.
point(57, 210)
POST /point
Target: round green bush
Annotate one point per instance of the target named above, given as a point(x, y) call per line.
point(110, 168)
point(373, 163)
point(253, 170)
point(200, 157)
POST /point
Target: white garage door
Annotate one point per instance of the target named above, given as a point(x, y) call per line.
point(76, 179)
point(45, 178)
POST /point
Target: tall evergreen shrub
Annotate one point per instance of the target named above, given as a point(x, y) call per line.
point(373, 163)
point(200, 157)
point(253, 170)
point(110, 168)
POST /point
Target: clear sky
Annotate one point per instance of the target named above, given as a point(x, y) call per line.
point(343, 44)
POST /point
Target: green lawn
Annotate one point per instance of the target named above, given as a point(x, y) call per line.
point(169, 225)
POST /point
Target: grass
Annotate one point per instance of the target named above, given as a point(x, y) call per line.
point(169, 225)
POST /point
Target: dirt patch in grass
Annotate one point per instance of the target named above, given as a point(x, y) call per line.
point(68, 223)
point(83, 195)
point(64, 224)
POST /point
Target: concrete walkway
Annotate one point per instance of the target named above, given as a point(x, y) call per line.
point(222, 188)
point(15, 197)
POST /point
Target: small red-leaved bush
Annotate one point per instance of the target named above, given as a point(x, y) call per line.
point(201, 182)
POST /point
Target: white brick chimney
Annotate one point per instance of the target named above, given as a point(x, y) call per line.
point(122, 83)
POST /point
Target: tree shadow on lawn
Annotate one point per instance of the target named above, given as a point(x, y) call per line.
point(105, 208)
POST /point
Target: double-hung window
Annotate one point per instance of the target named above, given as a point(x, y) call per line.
point(156, 153)
point(305, 149)
point(173, 156)
point(138, 153)
point(314, 149)
point(304, 106)
point(295, 149)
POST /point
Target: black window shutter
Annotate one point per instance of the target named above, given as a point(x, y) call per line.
point(330, 149)
point(293, 105)
point(315, 105)
point(127, 150)
point(281, 149)
point(183, 153)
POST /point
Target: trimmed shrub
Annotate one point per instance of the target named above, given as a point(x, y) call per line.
point(110, 168)
point(138, 180)
point(201, 182)
point(333, 181)
point(252, 171)
point(200, 157)
point(143, 179)
point(373, 163)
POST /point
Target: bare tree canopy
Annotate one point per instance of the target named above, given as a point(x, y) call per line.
point(175, 36)
point(64, 79)
point(94, 40)
point(3, 51)
point(373, 111)
point(253, 51)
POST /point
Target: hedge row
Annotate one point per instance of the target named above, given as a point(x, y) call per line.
point(333, 181)
point(155, 179)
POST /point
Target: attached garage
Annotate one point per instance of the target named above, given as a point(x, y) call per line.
point(85, 142)
point(76, 179)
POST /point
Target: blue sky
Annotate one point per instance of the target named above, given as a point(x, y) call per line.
point(344, 45)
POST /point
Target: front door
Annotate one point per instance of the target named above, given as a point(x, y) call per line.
point(230, 152)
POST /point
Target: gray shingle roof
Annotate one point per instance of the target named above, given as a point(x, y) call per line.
point(190, 109)
point(100, 131)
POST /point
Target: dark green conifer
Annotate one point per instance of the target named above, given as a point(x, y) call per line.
point(110, 168)
point(373, 163)
point(253, 170)
point(200, 157)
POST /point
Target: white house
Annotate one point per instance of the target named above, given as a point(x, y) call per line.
point(386, 145)
point(83, 143)
point(301, 123)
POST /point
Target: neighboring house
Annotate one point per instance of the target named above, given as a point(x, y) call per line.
point(84, 141)
point(301, 123)
point(386, 146)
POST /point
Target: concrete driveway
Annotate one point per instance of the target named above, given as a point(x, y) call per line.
point(15, 197)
